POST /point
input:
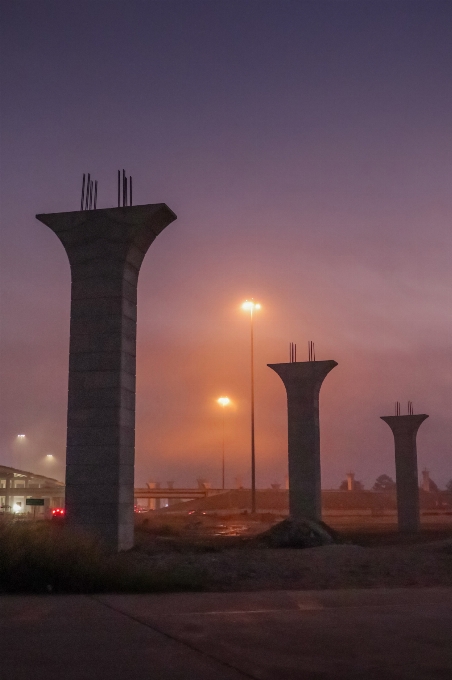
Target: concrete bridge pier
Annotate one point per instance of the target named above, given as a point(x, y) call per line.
point(303, 381)
point(404, 429)
point(105, 250)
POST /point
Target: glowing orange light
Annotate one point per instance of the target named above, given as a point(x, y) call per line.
point(224, 401)
point(250, 305)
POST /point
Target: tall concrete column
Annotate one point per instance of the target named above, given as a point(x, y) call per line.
point(404, 429)
point(303, 381)
point(105, 250)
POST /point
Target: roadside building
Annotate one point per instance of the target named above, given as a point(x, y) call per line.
point(16, 486)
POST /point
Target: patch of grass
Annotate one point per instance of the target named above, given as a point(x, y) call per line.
point(158, 527)
point(43, 558)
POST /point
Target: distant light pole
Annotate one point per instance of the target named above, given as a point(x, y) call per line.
point(224, 401)
point(22, 443)
point(251, 306)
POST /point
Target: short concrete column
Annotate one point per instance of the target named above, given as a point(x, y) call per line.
point(303, 381)
point(105, 250)
point(158, 501)
point(404, 429)
point(350, 481)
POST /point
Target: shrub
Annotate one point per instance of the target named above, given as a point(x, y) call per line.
point(40, 558)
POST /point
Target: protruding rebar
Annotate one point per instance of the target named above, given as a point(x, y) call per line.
point(95, 194)
point(130, 186)
point(123, 188)
point(119, 188)
point(87, 192)
point(83, 192)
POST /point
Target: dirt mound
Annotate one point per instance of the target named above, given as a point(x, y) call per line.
point(291, 533)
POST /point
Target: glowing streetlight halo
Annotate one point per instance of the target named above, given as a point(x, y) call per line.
point(224, 401)
point(250, 305)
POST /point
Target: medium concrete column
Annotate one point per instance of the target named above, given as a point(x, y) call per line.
point(303, 381)
point(404, 429)
point(105, 250)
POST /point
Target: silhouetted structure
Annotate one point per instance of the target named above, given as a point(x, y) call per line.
point(428, 485)
point(404, 429)
point(303, 381)
point(105, 250)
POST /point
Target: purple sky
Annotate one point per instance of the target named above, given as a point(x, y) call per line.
point(306, 148)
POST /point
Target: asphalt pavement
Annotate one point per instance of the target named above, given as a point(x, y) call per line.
point(383, 634)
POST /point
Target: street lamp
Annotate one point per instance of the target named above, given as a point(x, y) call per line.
point(250, 306)
point(224, 401)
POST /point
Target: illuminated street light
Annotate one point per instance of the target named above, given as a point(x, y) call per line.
point(49, 456)
point(20, 436)
point(250, 306)
point(224, 401)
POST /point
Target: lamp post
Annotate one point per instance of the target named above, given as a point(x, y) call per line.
point(21, 440)
point(224, 401)
point(251, 306)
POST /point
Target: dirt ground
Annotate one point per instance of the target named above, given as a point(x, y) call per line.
point(372, 553)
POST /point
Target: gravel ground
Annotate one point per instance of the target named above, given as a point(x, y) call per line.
point(247, 567)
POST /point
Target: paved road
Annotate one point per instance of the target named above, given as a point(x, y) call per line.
point(285, 635)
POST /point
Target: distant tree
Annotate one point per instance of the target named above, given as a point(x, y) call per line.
point(449, 485)
point(384, 483)
point(344, 485)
